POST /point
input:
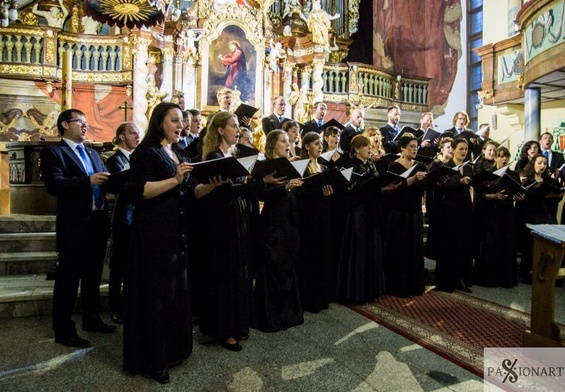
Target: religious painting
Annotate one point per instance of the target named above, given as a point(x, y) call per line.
point(429, 47)
point(232, 61)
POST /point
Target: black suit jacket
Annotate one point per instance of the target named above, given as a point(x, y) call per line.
point(270, 123)
point(311, 126)
point(116, 163)
point(556, 160)
point(390, 145)
point(345, 139)
point(65, 178)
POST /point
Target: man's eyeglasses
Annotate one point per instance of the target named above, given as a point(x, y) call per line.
point(82, 123)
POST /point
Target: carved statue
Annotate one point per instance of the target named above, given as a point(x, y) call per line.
point(154, 96)
point(319, 25)
point(55, 16)
point(89, 25)
point(277, 53)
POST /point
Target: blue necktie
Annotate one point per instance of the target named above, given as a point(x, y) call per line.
point(97, 192)
point(396, 130)
point(546, 153)
point(320, 123)
point(459, 130)
point(281, 118)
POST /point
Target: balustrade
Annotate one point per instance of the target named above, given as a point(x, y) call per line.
point(33, 51)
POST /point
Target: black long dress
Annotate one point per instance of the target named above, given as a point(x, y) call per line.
point(496, 264)
point(225, 277)
point(277, 298)
point(158, 322)
point(360, 276)
point(534, 209)
point(434, 195)
point(314, 268)
point(404, 238)
point(454, 264)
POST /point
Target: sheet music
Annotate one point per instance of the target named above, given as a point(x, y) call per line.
point(555, 233)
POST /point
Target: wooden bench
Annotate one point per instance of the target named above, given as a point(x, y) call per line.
point(547, 257)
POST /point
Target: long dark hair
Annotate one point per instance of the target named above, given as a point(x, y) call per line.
point(530, 170)
point(307, 139)
point(526, 147)
point(155, 132)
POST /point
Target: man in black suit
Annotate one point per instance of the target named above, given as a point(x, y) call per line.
point(354, 128)
point(554, 159)
point(195, 125)
point(126, 139)
point(460, 123)
point(428, 148)
point(554, 162)
point(317, 122)
point(391, 129)
point(185, 131)
point(75, 175)
point(277, 118)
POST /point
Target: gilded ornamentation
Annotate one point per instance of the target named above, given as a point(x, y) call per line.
point(353, 15)
point(50, 52)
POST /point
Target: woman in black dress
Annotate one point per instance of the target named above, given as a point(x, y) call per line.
point(277, 300)
point(535, 208)
point(158, 325)
point(225, 277)
point(455, 219)
point(360, 276)
point(433, 199)
point(404, 239)
point(314, 266)
point(496, 264)
point(292, 129)
point(331, 142)
point(529, 150)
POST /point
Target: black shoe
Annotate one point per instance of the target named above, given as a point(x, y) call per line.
point(161, 376)
point(99, 327)
point(232, 347)
point(117, 318)
point(243, 337)
point(73, 341)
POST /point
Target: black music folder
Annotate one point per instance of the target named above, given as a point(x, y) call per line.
point(244, 110)
point(228, 167)
point(467, 135)
point(426, 160)
point(512, 186)
point(334, 177)
point(333, 123)
point(406, 129)
point(431, 135)
point(389, 177)
point(483, 179)
point(282, 167)
point(117, 181)
point(442, 171)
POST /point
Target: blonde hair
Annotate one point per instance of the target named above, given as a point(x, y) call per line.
point(374, 134)
point(213, 139)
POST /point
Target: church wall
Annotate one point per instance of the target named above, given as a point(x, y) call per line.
point(495, 20)
point(457, 99)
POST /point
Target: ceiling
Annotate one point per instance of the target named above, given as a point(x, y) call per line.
point(552, 85)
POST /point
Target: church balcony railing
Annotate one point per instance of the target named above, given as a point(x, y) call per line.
point(36, 52)
point(362, 84)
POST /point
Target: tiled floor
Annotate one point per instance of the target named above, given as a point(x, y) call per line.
point(335, 350)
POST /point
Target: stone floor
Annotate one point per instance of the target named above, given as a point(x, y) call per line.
point(335, 350)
